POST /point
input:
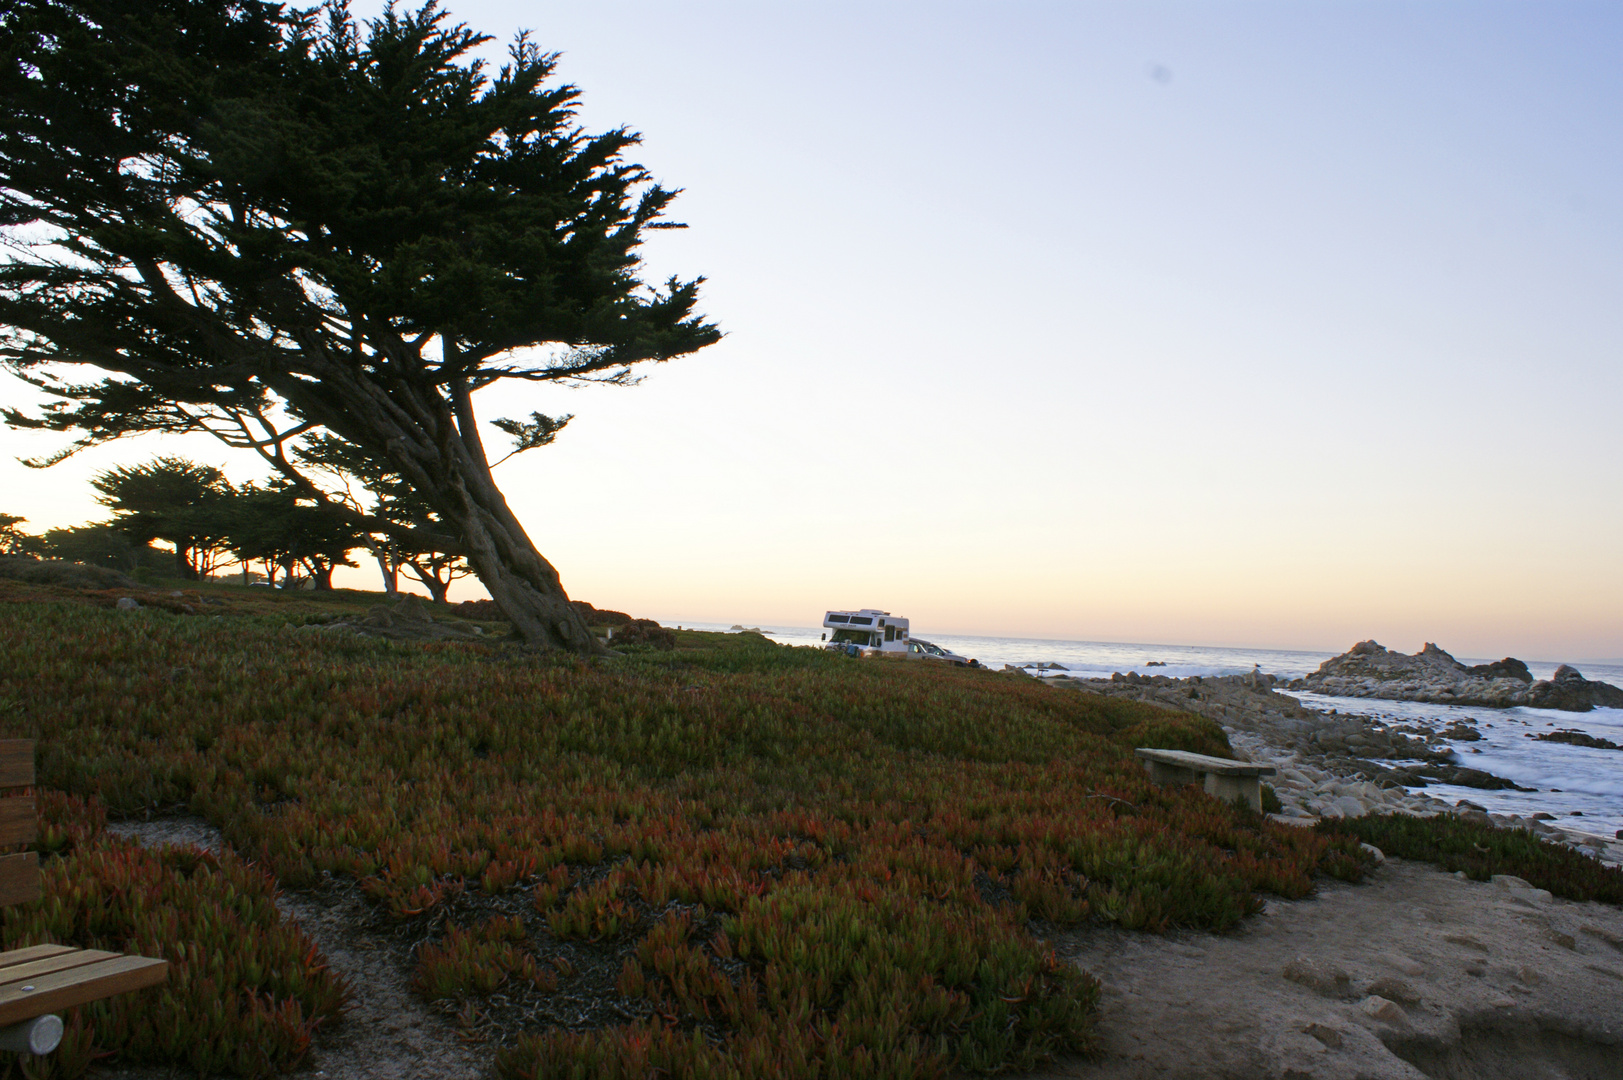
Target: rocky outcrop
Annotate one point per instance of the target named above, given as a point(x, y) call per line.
point(1508, 668)
point(1578, 738)
point(1370, 670)
point(1569, 690)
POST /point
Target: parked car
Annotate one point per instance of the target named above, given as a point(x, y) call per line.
point(919, 649)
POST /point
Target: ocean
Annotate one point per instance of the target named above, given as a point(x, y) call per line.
point(1583, 786)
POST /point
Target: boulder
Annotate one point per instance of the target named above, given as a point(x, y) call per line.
point(1379, 1008)
point(1508, 668)
point(1567, 689)
point(1578, 738)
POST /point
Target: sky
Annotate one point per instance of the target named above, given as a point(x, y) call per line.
point(1269, 324)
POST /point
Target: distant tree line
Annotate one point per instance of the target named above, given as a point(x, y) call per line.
point(210, 523)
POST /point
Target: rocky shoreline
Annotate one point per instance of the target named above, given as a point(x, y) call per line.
point(1331, 765)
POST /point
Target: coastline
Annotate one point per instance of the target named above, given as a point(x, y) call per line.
point(1334, 765)
point(1569, 778)
point(1413, 974)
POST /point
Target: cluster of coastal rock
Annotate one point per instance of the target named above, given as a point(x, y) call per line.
point(1371, 671)
point(1331, 765)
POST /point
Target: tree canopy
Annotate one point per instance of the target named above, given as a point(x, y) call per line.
point(268, 224)
point(170, 499)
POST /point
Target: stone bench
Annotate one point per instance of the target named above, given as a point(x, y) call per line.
point(1228, 780)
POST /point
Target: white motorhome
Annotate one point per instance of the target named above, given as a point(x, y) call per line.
point(866, 632)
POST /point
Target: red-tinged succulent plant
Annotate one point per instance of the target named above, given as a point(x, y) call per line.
point(866, 841)
point(474, 962)
point(245, 991)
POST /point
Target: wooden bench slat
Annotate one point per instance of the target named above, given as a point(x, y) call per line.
point(28, 955)
point(41, 979)
point(77, 986)
point(19, 823)
point(16, 762)
point(72, 958)
point(19, 878)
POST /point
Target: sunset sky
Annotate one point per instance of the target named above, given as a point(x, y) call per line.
point(1271, 324)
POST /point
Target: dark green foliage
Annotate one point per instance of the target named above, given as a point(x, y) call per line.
point(173, 500)
point(1483, 851)
point(411, 543)
point(107, 547)
point(643, 632)
point(74, 575)
point(1270, 800)
point(13, 540)
point(1186, 731)
point(280, 223)
point(278, 528)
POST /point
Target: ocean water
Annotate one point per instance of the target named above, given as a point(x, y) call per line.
point(1567, 779)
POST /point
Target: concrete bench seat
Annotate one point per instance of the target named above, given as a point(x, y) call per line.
point(1228, 780)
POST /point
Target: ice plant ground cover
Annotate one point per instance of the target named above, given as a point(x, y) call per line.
point(1481, 851)
point(732, 859)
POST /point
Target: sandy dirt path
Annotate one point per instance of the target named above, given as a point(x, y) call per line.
point(388, 1033)
point(1414, 974)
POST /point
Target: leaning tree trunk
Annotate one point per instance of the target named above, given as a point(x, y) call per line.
point(523, 584)
point(434, 444)
point(437, 589)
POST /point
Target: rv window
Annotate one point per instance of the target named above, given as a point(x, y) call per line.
point(838, 618)
point(862, 620)
point(874, 640)
point(890, 633)
point(849, 637)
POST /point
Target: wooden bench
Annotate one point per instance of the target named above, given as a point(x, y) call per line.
point(1228, 780)
point(38, 981)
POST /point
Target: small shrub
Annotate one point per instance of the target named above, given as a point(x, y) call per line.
point(643, 632)
point(1484, 850)
point(1195, 734)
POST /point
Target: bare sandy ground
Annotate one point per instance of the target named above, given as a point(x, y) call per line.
point(1413, 974)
